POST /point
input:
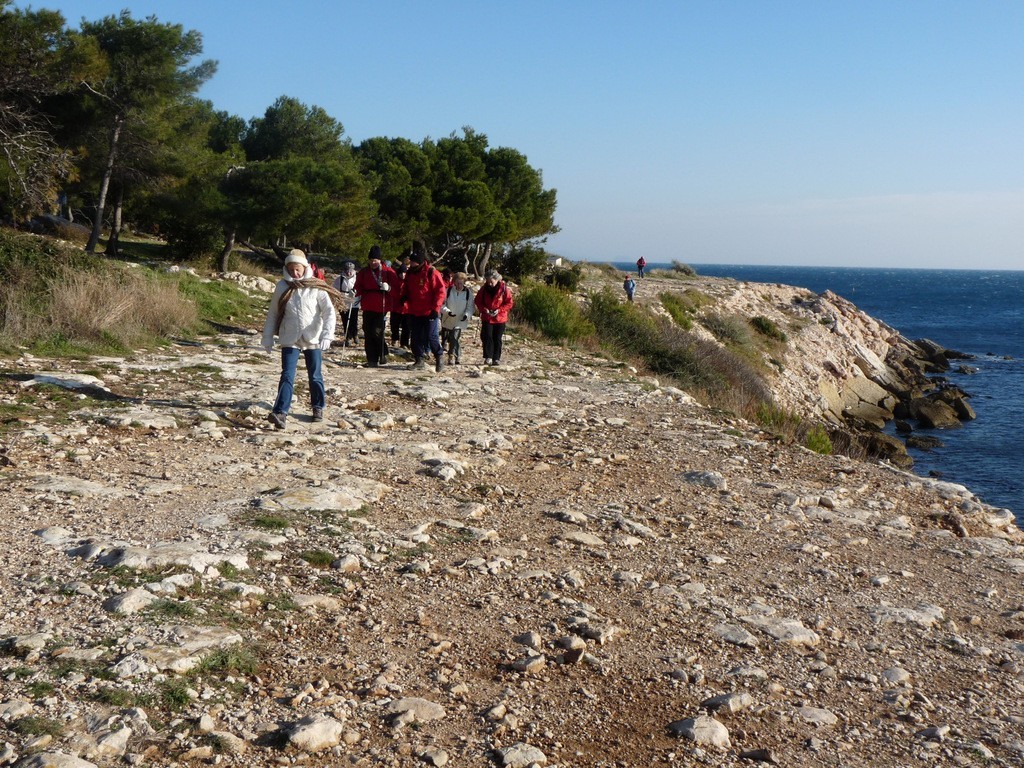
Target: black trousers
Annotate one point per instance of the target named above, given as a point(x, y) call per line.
point(400, 334)
point(490, 335)
point(373, 337)
point(351, 323)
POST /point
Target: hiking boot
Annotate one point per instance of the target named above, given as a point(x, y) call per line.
point(318, 414)
point(418, 364)
point(487, 361)
point(451, 359)
point(277, 419)
point(495, 361)
point(438, 364)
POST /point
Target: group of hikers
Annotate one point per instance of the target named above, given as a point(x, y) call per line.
point(428, 313)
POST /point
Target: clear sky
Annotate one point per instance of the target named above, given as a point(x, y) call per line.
point(825, 132)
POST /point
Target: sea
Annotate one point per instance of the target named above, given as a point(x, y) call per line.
point(979, 312)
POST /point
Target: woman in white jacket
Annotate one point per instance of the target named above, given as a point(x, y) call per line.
point(302, 317)
point(455, 314)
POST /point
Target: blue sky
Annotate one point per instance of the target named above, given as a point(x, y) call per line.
point(856, 133)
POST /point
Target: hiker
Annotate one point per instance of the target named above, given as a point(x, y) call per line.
point(640, 264)
point(424, 291)
point(629, 286)
point(455, 314)
point(399, 316)
point(374, 284)
point(346, 283)
point(493, 302)
point(302, 317)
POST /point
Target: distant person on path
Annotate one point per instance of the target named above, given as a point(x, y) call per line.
point(346, 283)
point(493, 302)
point(302, 317)
point(374, 284)
point(455, 315)
point(640, 264)
point(629, 286)
point(424, 291)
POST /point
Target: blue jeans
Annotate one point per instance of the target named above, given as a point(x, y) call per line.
point(425, 336)
point(286, 387)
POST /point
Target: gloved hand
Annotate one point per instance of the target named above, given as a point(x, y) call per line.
point(432, 316)
point(492, 312)
point(268, 347)
point(449, 312)
point(325, 344)
point(385, 287)
point(465, 318)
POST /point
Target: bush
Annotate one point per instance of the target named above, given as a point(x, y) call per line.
point(727, 329)
point(817, 440)
point(683, 269)
point(678, 308)
point(768, 328)
point(568, 279)
point(552, 312)
point(59, 300)
point(521, 263)
point(702, 367)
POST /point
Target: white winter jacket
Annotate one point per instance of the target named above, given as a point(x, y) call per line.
point(309, 316)
point(457, 304)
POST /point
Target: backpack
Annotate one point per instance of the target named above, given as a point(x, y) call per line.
point(318, 272)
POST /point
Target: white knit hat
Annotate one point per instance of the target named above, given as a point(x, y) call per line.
point(295, 256)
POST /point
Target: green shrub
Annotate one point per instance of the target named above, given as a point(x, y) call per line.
point(229, 661)
point(37, 726)
point(683, 269)
point(521, 263)
point(568, 279)
point(702, 367)
point(174, 694)
point(767, 327)
point(817, 440)
point(727, 329)
point(678, 308)
point(777, 420)
point(319, 558)
point(272, 522)
point(552, 312)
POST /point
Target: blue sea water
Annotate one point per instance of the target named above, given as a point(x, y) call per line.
point(975, 311)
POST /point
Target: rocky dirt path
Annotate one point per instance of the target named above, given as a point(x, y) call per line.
point(556, 562)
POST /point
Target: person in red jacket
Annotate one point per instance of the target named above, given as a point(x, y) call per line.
point(493, 302)
point(640, 264)
point(374, 284)
point(424, 291)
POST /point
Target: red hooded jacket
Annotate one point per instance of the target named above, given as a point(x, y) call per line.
point(423, 291)
point(499, 300)
point(373, 298)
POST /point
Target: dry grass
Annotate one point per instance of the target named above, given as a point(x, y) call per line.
point(124, 308)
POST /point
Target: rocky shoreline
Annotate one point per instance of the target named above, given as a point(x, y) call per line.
point(562, 562)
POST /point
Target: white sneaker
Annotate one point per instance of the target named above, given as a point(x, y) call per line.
point(487, 361)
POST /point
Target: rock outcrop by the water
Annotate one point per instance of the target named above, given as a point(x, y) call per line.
point(557, 562)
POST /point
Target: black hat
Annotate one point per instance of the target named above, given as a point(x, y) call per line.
point(375, 252)
point(417, 257)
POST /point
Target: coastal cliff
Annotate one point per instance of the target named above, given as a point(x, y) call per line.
point(559, 562)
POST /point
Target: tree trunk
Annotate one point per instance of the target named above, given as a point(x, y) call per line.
point(108, 172)
point(115, 228)
point(229, 245)
point(481, 265)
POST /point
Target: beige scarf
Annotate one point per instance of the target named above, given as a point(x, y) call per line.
point(337, 297)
